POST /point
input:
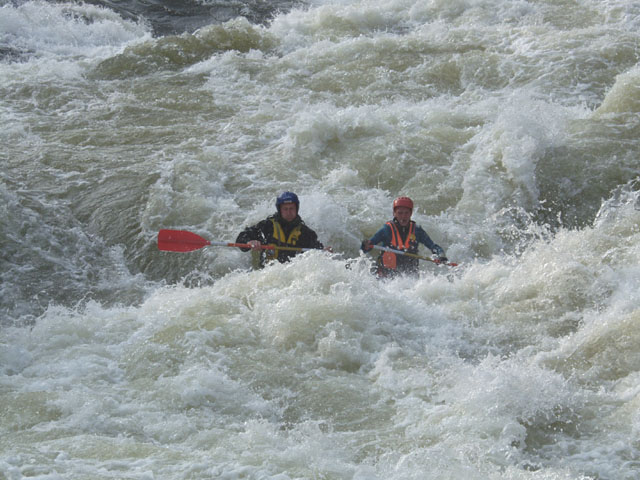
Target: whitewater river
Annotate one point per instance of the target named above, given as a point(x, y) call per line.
point(513, 125)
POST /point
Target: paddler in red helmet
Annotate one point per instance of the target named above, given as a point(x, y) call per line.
point(401, 233)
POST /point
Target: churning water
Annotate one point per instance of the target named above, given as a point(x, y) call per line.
point(514, 126)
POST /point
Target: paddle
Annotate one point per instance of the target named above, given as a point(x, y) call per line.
point(184, 241)
point(413, 255)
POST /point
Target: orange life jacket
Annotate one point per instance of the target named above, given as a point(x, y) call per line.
point(408, 244)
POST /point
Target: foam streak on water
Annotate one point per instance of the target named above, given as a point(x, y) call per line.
point(514, 127)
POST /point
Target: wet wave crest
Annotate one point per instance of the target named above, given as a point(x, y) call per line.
point(177, 52)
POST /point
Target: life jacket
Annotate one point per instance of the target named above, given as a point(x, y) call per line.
point(279, 238)
point(409, 244)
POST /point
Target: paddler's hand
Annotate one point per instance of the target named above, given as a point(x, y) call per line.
point(255, 244)
point(366, 245)
point(328, 249)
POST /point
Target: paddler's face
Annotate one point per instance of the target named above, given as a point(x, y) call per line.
point(288, 211)
point(403, 215)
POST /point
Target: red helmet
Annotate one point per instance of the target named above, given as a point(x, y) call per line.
point(402, 202)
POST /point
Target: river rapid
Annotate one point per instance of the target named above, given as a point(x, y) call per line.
point(513, 125)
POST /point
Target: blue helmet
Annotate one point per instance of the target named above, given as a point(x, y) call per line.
point(287, 197)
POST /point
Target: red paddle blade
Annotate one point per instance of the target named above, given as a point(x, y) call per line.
point(180, 241)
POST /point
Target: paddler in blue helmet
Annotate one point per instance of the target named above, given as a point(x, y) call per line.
point(284, 228)
point(401, 233)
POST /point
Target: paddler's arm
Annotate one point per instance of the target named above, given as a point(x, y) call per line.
point(381, 236)
point(255, 235)
point(310, 240)
point(436, 249)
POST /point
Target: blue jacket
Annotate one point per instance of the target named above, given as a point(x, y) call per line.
point(384, 236)
point(403, 263)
